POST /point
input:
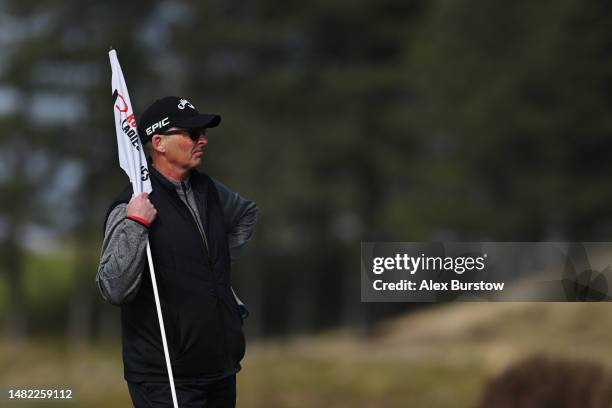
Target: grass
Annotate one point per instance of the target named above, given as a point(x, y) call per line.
point(438, 357)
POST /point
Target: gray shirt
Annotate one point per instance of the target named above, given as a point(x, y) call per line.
point(123, 250)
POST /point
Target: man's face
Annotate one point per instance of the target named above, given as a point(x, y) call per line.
point(181, 151)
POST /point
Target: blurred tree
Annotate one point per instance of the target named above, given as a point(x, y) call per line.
point(512, 119)
point(64, 115)
point(346, 121)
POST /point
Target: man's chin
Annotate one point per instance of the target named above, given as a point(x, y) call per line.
point(196, 161)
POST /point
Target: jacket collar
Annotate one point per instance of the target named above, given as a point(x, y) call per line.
point(194, 178)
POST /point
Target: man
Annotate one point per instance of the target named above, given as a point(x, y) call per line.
point(195, 226)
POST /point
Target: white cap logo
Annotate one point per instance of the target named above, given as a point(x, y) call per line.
point(185, 102)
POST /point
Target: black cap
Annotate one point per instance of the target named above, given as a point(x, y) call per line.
point(173, 111)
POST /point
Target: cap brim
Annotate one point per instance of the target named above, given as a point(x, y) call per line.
point(203, 120)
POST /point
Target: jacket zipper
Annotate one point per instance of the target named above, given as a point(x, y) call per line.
point(193, 214)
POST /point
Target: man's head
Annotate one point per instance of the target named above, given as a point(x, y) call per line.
point(176, 131)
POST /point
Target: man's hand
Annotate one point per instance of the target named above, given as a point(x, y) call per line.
point(140, 207)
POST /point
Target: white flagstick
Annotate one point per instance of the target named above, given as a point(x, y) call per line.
point(161, 327)
point(133, 161)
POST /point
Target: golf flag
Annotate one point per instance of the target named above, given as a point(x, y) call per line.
point(133, 161)
point(131, 155)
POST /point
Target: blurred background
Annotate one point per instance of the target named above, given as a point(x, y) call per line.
point(346, 121)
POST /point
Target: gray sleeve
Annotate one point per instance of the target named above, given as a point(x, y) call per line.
point(123, 257)
point(240, 218)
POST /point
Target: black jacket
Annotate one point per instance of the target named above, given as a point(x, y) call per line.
point(201, 317)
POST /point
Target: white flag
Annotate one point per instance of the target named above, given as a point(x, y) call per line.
point(134, 162)
point(131, 155)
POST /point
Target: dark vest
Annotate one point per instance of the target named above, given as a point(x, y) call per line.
point(201, 317)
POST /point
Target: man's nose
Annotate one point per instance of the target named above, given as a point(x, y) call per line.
point(203, 139)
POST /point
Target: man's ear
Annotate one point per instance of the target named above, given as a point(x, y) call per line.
point(157, 144)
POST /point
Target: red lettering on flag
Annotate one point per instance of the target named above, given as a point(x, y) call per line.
point(125, 104)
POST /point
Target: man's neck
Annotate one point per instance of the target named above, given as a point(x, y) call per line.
point(171, 173)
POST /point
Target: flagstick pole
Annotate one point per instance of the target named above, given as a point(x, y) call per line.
point(161, 326)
